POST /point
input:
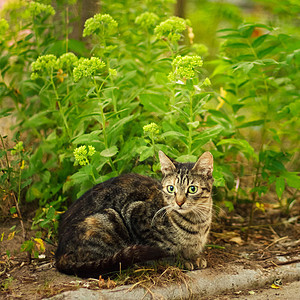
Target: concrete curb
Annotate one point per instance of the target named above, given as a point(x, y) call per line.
point(202, 283)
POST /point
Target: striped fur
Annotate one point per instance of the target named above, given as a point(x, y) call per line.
point(133, 218)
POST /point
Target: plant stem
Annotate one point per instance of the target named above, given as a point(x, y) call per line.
point(114, 100)
point(59, 105)
point(67, 31)
point(20, 178)
point(262, 143)
point(103, 118)
point(191, 119)
point(6, 157)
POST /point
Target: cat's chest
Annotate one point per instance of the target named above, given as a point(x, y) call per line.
point(187, 233)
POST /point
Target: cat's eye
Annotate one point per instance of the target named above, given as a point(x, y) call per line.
point(192, 189)
point(171, 189)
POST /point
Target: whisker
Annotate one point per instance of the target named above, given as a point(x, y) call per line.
point(200, 213)
point(163, 209)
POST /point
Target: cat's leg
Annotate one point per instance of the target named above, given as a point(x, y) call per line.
point(193, 258)
point(85, 248)
point(105, 233)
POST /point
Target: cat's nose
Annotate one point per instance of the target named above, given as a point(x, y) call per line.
point(180, 201)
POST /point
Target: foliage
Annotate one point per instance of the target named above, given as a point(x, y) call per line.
point(145, 86)
point(259, 77)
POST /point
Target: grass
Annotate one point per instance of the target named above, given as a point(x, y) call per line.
point(158, 274)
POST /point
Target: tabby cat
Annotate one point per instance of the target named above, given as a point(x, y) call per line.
point(133, 218)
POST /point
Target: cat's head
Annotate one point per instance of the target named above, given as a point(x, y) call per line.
point(187, 186)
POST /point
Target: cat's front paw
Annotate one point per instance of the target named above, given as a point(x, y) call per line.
point(199, 263)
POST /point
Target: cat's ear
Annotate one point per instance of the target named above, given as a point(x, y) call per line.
point(166, 163)
point(204, 164)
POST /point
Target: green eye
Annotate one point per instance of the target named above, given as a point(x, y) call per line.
point(192, 189)
point(170, 189)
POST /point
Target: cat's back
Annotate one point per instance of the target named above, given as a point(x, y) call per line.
point(114, 193)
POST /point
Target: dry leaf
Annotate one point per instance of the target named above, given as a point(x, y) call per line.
point(110, 284)
point(237, 240)
point(101, 282)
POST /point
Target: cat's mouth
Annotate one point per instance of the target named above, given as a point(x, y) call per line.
point(182, 209)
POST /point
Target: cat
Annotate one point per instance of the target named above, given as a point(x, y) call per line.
point(133, 218)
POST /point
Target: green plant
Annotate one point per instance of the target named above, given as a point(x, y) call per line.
point(34, 247)
point(88, 111)
point(260, 86)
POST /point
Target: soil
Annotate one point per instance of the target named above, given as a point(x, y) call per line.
point(273, 237)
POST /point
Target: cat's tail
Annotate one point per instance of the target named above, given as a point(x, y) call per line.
point(120, 260)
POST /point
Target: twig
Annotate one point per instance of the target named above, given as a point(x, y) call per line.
point(148, 290)
point(136, 284)
point(281, 263)
point(278, 240)
point(22, 224)
point(20, 217)
point(272, 229)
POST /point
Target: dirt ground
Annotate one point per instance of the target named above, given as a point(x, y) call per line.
point(272, 237)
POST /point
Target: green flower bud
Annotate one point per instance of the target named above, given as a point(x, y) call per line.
point(112, 72)
point(87, 67)
point(186, 66)
point(151, 128)
point(18, 148)
point(81, 155)
point(200, 49)
point(147, 20)
point(36, 9)
point(206, 82)
point(67, 60)
point(171, 29)
point(99, 24)
point(44, 65)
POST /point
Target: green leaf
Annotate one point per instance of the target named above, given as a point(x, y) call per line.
point(237, 45)
point(27, 246)
point(186, 158)
point(294, 108)
point(79, 177)
point(260, 190)
point(266, 51)
point(13, 210)
point(39, 119)
point(227, 30)
point(181, 111)
point(251, 123)
point(246, 148)
point(154, 103)
point(246, 67)
point(88, 138)
point(173, 134)
point(280, 186)
point(292, 179)
point(146, 152)
point(110, 151)
point(219, 114)
point(258, 41)
point(77, 47)
point(126, 78)
point(218, 176)
point(5, 112)
point(208, 133)
point(91, 91)
point(113, 130)
point(229, 205)
point(29, 36)
point(194, 124)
